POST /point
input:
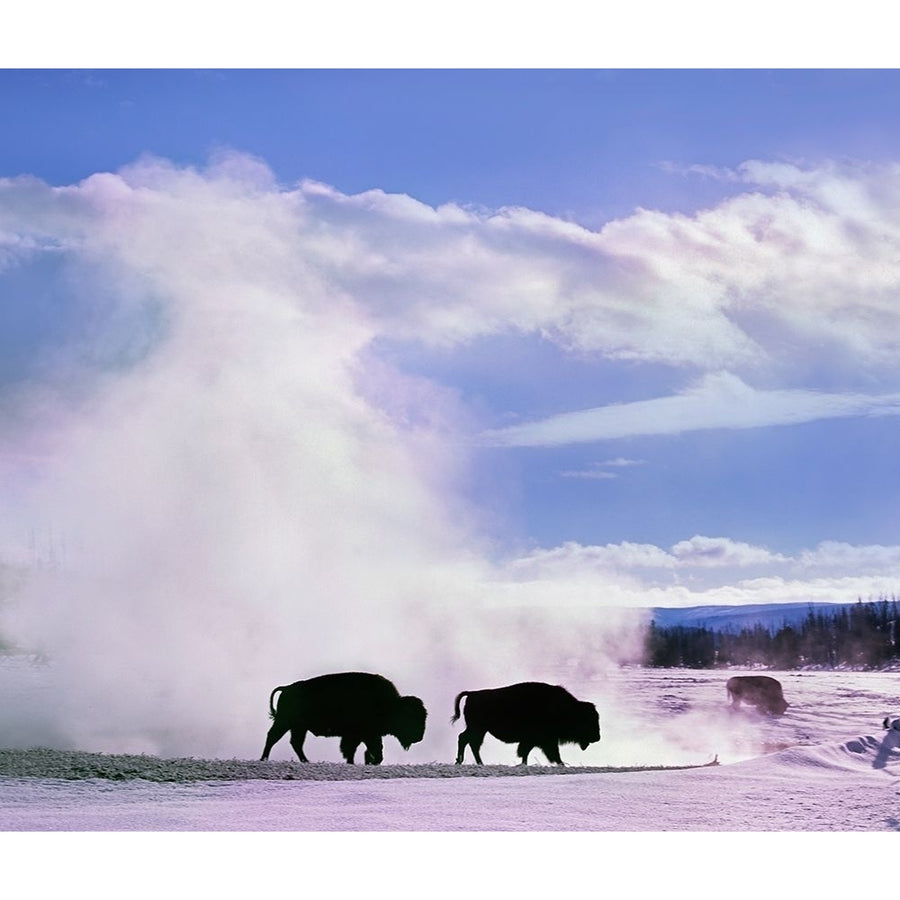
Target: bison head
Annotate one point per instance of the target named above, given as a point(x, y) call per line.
point(408, 721)
point(777, 706)
point(585, 725)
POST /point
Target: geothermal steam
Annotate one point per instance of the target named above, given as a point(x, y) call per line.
point(238, 510)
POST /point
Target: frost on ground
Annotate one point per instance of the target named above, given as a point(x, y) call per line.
point(73, 765)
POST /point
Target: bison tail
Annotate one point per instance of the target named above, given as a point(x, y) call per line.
point(272, 701)
point(456, 705)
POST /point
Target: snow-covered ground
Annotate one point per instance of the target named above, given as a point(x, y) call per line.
point(826, 766)
point(846, 786)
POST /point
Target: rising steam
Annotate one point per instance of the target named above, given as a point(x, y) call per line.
point(238, 506)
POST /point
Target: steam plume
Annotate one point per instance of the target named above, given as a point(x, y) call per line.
point(238, 509)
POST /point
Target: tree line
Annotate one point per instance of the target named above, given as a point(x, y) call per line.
point(863, 635)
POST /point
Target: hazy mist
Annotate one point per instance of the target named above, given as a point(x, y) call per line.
point(234, 508)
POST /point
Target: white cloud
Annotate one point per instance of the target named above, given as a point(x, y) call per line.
point(716, 173)
point(622, 462)
point(845, 557)
point(706, 552)
point(600, 471)
point(589, 474)
point(703, 571)
point(801, 268)
point(719, 400)
point(699, 552)
point(572, 559)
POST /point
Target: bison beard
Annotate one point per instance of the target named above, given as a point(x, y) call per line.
point(761, 691)
point(531, 714)
point(357, 707)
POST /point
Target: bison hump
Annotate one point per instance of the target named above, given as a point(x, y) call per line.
point(364, 681)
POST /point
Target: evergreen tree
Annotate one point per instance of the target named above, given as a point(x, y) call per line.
point(862, 635)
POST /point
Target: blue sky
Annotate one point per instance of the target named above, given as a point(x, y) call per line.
point(631, 329)
point(590, 145)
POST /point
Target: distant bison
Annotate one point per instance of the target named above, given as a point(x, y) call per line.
point(760, 691)
point(531, 714)
point(358, 707)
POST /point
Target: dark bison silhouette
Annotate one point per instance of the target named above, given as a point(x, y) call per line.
point(357, 707)
point(760, 691)
point(531, 714)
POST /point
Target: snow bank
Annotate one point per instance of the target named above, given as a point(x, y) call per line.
point(858, 755)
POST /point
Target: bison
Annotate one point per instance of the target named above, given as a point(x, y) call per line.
point(760, 691)
point(358, 707)
point(531, 714)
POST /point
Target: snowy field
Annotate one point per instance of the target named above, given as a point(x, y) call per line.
point(826, 766)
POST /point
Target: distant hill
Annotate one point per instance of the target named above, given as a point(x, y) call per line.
point(771, 616)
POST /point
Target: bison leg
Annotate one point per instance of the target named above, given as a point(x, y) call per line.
point(374, 751)
point(471, 739)
point(463, 740)
point(348, 747)
point(276, 733)
point(523, 750)
point(298, 736)
point(551, 751)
